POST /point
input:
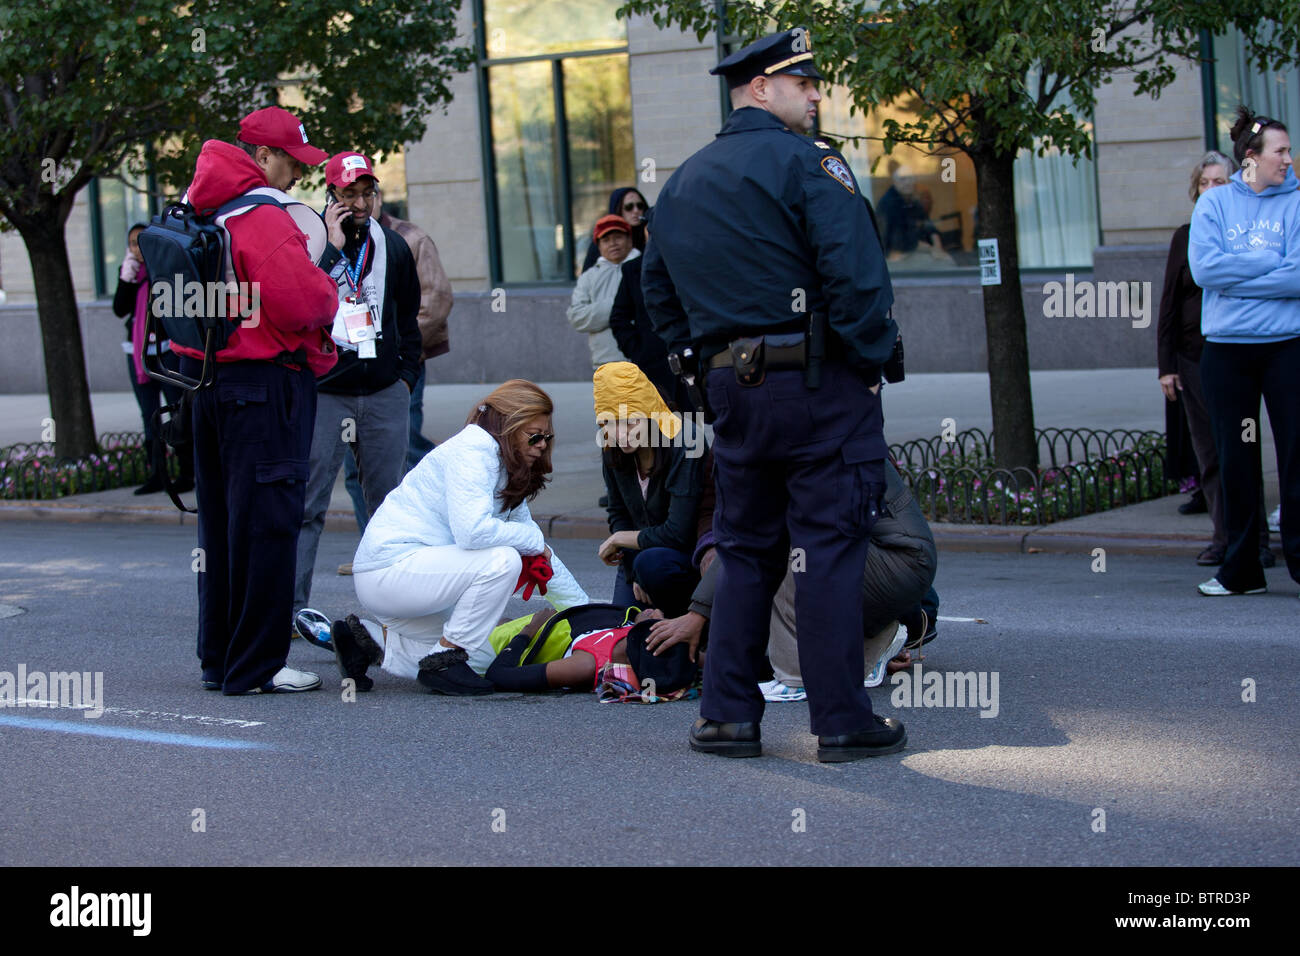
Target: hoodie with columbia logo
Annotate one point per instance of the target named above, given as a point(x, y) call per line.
point(1244, 251)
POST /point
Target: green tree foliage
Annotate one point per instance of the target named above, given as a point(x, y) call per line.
point(990, 78)
point(87, 86)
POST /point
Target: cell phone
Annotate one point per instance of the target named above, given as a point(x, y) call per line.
point(329, 201)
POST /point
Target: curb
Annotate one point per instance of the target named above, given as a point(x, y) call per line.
point(1044, 539)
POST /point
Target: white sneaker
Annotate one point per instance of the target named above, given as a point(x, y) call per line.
point(775, 690)
point(877, 675)
point(1212, 588)
point(1275, 520)
point(289, 681)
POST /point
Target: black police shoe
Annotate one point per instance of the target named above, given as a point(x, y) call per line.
point(1195, 505)
point(726, 740)
point(886, 737)
point(448, 672)
point(354, 651)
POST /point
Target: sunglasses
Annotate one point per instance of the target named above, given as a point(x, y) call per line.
point(629, 206)
point(536, 439)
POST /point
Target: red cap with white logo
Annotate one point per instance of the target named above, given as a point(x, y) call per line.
point(280, 128)
point(344, 169)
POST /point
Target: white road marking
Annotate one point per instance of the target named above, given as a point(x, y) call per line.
point(160, 715)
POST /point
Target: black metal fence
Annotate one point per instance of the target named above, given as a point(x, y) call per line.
point(1081, 471)
point(31, 470)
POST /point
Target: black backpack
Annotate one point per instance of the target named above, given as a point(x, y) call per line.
point(184, 251)
point(180, 247)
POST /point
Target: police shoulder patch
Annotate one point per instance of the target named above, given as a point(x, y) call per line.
point(836, 169)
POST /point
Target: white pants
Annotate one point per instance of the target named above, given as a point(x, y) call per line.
point(412, 599)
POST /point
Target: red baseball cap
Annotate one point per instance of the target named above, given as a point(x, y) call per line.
point(610, 223)
point(344, 169)
point(281, 129)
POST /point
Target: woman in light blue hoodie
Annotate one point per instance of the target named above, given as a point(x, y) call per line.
point(1244, 251)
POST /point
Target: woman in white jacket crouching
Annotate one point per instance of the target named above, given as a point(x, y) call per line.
point(442, 555)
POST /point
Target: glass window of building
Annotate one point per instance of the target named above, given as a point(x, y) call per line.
point(116, 204)
point(1237, 81)
point(554, 80)
point(926, 201)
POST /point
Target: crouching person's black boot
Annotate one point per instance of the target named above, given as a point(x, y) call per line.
point(506, 674)
point(355, 651)
point(448, 672)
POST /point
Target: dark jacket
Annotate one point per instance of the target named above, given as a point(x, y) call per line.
point(636, 340)
point(705, 278)
point(902, 557)
point(124, 303)
point(398, 353)
point(666, 515)
point(1178, 331)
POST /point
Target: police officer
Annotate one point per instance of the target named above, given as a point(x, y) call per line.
point(763, 258)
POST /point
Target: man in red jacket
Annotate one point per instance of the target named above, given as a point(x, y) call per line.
point(253, 427)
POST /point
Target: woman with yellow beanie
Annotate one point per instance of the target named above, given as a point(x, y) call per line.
point(653, 468)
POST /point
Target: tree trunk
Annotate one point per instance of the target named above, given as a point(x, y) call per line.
point(1004, 317)
point(65, 362)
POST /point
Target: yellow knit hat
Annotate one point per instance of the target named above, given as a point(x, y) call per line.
point(622, 391)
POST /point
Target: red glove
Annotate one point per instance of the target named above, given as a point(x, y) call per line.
point(536, 571)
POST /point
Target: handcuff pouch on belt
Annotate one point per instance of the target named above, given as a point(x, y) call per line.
point(747, 356)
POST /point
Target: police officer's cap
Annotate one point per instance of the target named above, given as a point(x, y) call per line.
point(787, 52)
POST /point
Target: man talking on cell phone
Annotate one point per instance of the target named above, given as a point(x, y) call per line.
point(363, 401)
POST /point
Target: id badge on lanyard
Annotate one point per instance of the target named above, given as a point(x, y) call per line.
point(359, 317)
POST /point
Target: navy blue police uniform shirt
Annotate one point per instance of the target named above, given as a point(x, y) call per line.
point(754, 221)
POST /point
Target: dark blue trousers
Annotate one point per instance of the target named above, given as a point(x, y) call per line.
point(252, 439)
point(665, 574)
point(794, 469)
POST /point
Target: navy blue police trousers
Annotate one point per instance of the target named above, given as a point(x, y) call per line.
point(799, 476)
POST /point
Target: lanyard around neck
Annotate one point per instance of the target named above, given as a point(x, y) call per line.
point(354, 277)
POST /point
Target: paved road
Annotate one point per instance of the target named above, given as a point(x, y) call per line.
point(1119, 692)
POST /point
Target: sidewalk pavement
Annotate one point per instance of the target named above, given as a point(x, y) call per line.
point(1100, 399)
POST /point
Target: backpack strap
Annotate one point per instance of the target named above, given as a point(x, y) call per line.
point(237, 207)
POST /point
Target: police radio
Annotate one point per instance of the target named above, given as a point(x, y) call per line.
point(892, 370)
